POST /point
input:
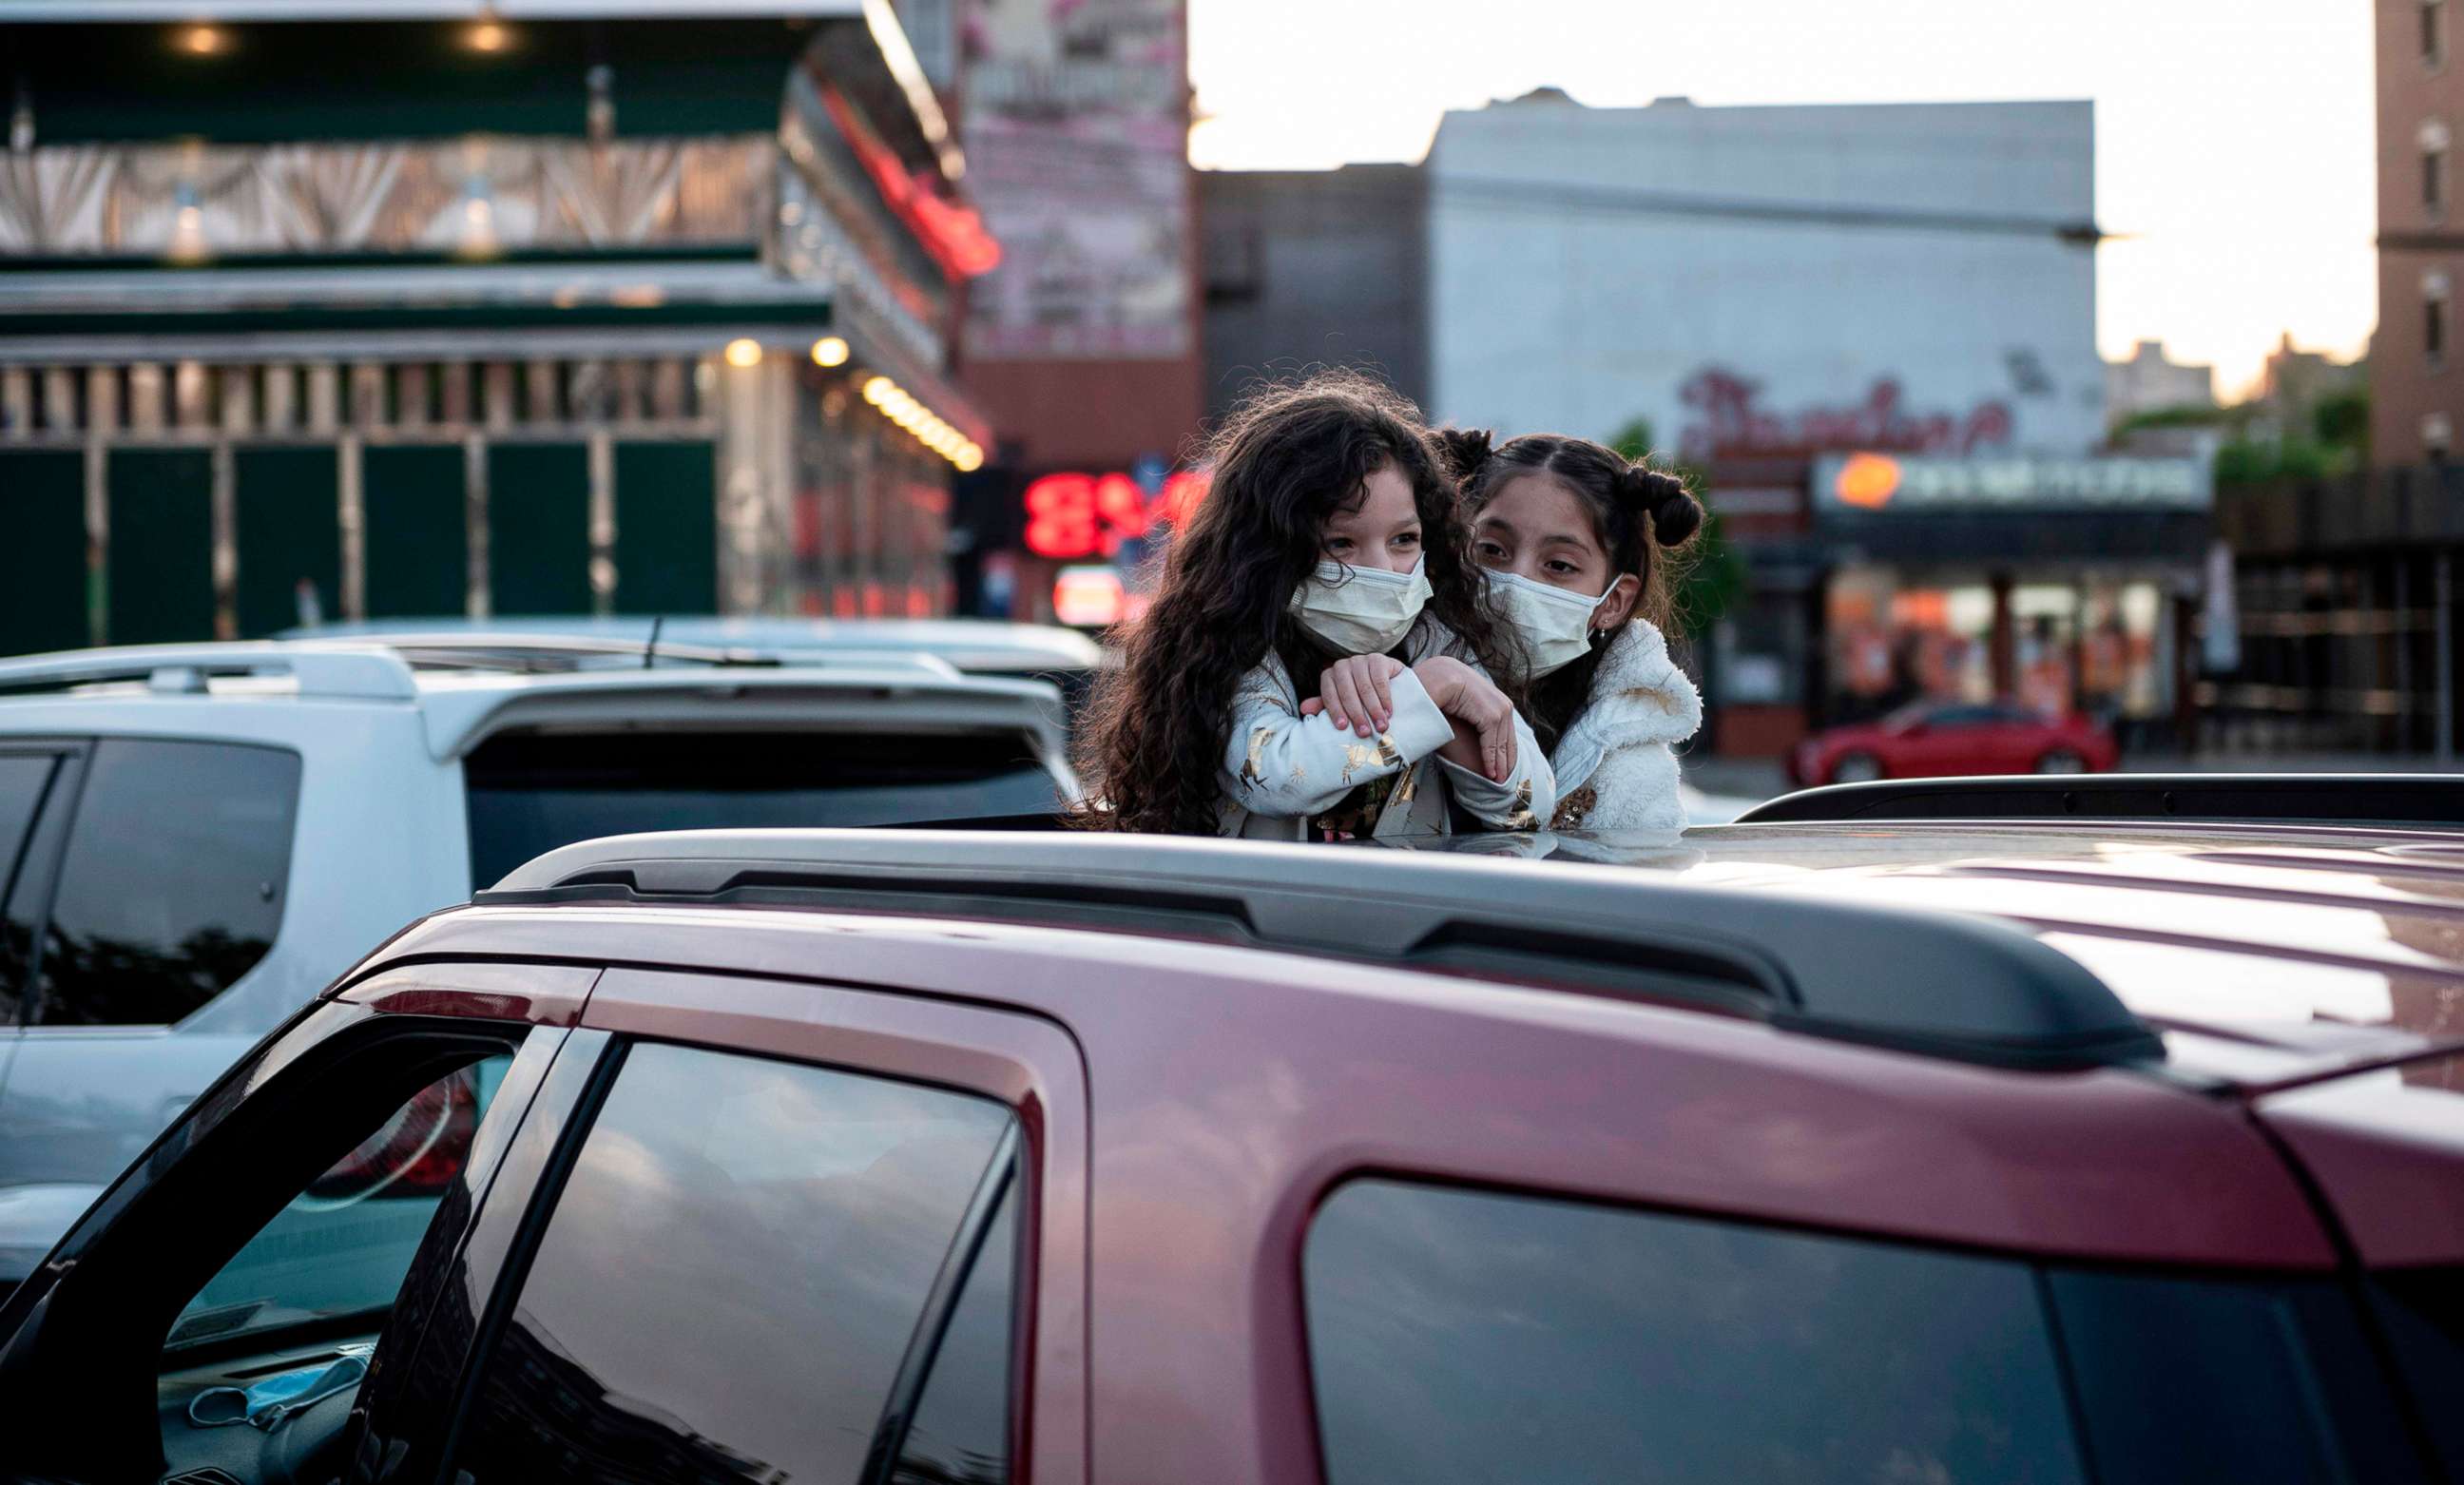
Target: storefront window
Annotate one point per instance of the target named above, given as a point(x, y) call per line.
point(2098, 645)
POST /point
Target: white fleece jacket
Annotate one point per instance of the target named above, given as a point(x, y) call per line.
point(1615, 767)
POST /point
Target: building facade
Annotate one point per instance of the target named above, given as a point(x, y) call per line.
point(1725, 272)
point(1315, 268)
point(2153, 382)
point(1870, 331)
point(1082, 342)
point(2346, 622)
point(2417, 386)
point(539, 313)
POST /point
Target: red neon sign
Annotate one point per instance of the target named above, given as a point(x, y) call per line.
point(1072, 516)
point(955, 234)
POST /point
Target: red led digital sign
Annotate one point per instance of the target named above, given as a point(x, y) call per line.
point(1073, 516)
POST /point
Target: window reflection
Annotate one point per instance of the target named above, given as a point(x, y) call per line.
point(1457, 1336)
point(731, 1277)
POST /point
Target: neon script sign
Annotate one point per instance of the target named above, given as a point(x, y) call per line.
point(1072, 516)
point(1730, 419)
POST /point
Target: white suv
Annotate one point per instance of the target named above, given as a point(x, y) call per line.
point(194, 839)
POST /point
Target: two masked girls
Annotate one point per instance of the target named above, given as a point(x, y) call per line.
point(1317, 660)
point(1357, 622)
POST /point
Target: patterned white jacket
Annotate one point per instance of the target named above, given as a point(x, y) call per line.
point(1282, 769)
point(1615, 766)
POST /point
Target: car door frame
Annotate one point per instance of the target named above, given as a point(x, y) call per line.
point(37, 872)
point(1029, 1064)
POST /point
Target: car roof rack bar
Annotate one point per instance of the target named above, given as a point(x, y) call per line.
point(1969, 988)
point(2403, 801)
point(510, 647)
point(359, 672)
point(486, 644)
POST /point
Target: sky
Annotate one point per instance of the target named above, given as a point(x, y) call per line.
point(2235, 139)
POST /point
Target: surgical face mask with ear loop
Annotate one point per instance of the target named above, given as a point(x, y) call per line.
point(1555, 625)
point(1360, 610)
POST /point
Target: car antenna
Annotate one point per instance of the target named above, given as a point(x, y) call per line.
point(651, 650)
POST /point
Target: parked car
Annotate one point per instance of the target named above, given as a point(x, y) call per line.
point(975, 647)
point(2052, 1151)
point(1939, 739)
point(195, 839)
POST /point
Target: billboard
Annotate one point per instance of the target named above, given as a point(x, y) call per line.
point(1076, 137)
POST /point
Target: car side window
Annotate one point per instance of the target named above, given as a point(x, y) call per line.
point(338, 1251)
point(1465, 1336)
point(173, 881)
point(731, 1275)
point(1964, 717)
point(962, 1428)
point(24, 777)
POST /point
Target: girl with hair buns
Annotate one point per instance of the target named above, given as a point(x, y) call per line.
point(1330, 552)
point(1578, 544)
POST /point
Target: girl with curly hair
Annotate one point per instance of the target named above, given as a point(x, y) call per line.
point(1330, 548)
point(1579, 542)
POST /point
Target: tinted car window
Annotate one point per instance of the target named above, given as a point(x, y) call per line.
point(731, 1275)
point(961, 1426)
point(533, 792)
point(173, 881)
point(1459, 1335)
point(2421, 1312)
point(2272, 1381)
point(1964, 717)
point(23, 779)
point(340, 1247)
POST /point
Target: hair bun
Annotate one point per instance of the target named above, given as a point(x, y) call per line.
point(1466, 449)
point(1675, 513)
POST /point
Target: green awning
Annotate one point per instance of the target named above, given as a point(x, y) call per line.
point(413, 71)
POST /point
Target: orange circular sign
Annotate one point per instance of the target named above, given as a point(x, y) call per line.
point(1867, 481)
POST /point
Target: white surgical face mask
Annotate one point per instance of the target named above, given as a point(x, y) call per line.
point(1360, 610)
point(1555, 625)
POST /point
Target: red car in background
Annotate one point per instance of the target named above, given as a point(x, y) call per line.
point(1935, 739)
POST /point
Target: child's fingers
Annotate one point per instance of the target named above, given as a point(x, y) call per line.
point(1311, 707)
point(1353, 706)
point(1384, 697)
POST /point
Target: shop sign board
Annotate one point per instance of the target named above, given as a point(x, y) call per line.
point(1876, 483)
point(1077, 140)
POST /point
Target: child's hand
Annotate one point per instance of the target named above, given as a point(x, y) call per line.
point(1484, 717)
point(1353, 693)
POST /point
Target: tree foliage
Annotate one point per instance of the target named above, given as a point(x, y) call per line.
point(1711, 576)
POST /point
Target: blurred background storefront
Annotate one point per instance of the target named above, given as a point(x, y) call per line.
point(334, 311)
point(1083, 344)
point(2062, 586)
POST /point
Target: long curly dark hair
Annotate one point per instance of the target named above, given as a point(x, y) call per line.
point(1645, 520)
point(1293, 453)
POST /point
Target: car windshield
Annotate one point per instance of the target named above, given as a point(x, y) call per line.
point(530, 792)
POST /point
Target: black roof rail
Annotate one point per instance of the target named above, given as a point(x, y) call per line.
point(2405, 801)
point(1968, 988)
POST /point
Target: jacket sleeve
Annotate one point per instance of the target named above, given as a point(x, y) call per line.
point(1527, 798)
point(1279, 762)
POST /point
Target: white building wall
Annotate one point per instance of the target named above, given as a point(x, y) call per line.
point(1554, 307)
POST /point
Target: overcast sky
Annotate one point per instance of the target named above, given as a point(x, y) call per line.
point(2235, 138)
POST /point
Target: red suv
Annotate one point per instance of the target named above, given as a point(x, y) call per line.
point(2130, 1151)
point(1938, 739)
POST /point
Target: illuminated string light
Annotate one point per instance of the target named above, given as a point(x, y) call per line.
point(829, 351)
point(744, 353)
